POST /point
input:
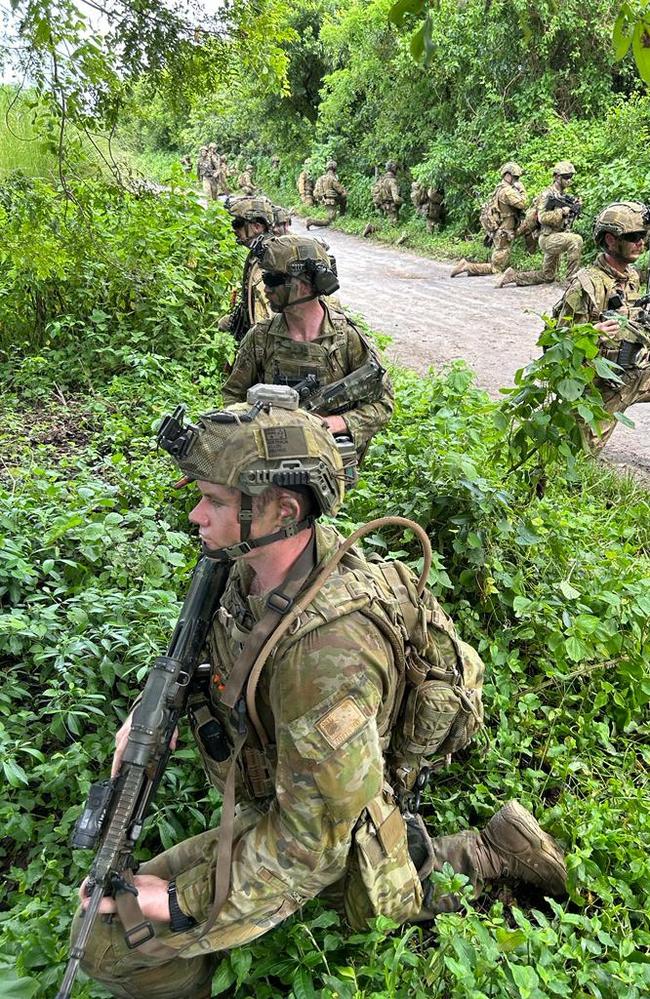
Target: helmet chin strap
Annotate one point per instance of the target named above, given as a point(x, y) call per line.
point(245, 545)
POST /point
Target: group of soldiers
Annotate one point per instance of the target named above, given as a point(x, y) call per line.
point(328, 191)
point(215, 174)
point(336, 685)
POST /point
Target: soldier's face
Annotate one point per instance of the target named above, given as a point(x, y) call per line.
point(217, 512)
point(629, 247)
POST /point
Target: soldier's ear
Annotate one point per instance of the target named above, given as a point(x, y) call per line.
point(289, 508)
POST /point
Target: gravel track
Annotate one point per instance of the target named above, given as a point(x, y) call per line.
point(433, 320)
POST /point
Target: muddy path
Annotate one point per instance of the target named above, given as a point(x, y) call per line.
point(433, 319)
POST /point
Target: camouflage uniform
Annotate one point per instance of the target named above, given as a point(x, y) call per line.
point(253, 298)
point(597, 289)
point(329, 191)
point(429, 203)
point(385, 193)
point(210, 177)
point(305, 187)
point(555, 238)
point(268, 354)
point(510, 199)
point(245, 180)
point(306, 800)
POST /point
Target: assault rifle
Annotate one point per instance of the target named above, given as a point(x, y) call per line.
point(574, 205)
point(363, 385)
point(635, 332)
point(114, 814)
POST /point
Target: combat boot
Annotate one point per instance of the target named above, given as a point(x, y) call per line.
point(459, 268)
point(515, 846)
point(508, 277)
point(369, 229)
point(308, 224)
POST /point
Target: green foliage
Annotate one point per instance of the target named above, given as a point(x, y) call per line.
point(107, 280)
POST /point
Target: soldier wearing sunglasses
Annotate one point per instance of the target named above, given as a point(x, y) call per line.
point(607, 294)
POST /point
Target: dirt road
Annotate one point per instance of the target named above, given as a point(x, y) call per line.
point(433, 320)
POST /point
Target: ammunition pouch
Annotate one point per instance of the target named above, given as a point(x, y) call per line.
point(381, 878)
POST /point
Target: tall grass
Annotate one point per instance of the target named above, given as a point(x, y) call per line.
point(23, 145)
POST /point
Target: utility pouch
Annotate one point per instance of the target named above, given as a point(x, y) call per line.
point(381, 879)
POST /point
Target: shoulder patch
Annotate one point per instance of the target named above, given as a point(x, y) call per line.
point(341, 722)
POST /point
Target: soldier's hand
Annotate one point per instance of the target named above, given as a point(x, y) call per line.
point(152, 898)
point(335, 424)
point(608, 326)
point(121, 740)
point(565, 211)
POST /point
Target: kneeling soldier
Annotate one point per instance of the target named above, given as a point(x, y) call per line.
point(315, 736)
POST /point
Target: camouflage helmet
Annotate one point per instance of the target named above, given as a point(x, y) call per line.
point(251, 446)
point(511, 167)
point(257, 209)
point(249, 166)
point(564, 166)
point(294, 255)
point(391, 166)
point(281, 215)
point(621, 217)
point(331, 165)
point(212, 145)
point(203, 149)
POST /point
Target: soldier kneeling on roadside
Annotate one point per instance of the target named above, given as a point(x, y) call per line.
point(606, 293)
point(335, 731)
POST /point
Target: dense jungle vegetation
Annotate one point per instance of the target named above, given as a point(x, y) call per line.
point(109, 298)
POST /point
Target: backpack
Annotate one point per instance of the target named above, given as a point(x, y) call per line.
point(380, 193)
point(319, 188)
point(490, 216)
point(529, 225)
point(438, 706)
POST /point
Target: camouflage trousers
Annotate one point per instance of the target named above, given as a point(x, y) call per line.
point(553, 246)
point(616, 399)
point(390, 210)
point(307, 199)
point(210, 188)
point(129, 974)
point(332, 212)
point(501, 250)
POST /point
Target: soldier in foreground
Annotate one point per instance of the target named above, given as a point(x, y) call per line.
point(307, 337)
point(606, 293)
point(329, 191)
point(245, 181)
point(429, 203)
point(316, 742)
point(281, 221)
point(385, 193)
point(252, 220)
point(500, 217)
point(557, 212)
point(305, 186)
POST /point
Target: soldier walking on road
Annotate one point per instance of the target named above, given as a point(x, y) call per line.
point(606, 293)
point(329, 191)
point(500, 217)
point(319, 744)
point(556, 213)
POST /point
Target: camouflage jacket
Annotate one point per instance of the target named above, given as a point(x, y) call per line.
point(305, 183)
point(553, 220)
point(589, 294)
point(329, 189)
point(268, 354)
point(386, 190)
point(325, 696)
point(511, 202)
point(245, 182)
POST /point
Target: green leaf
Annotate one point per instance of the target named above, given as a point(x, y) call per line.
point(14, 773)
point(622, 34)
point(303, 986)
point(625, 420)
point(417, 44)
point(569, 591)
point(575, 649)
point(399, 10)
point(570, 389)
point(641, 49)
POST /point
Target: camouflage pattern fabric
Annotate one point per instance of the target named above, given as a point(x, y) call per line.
point(329, 190)
point(510, 203)
point(305, 188)
point(268, 354)
point(327, 695)
point(584, 301)
point(553, 245)
point(386, 196)
point(246, 183)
